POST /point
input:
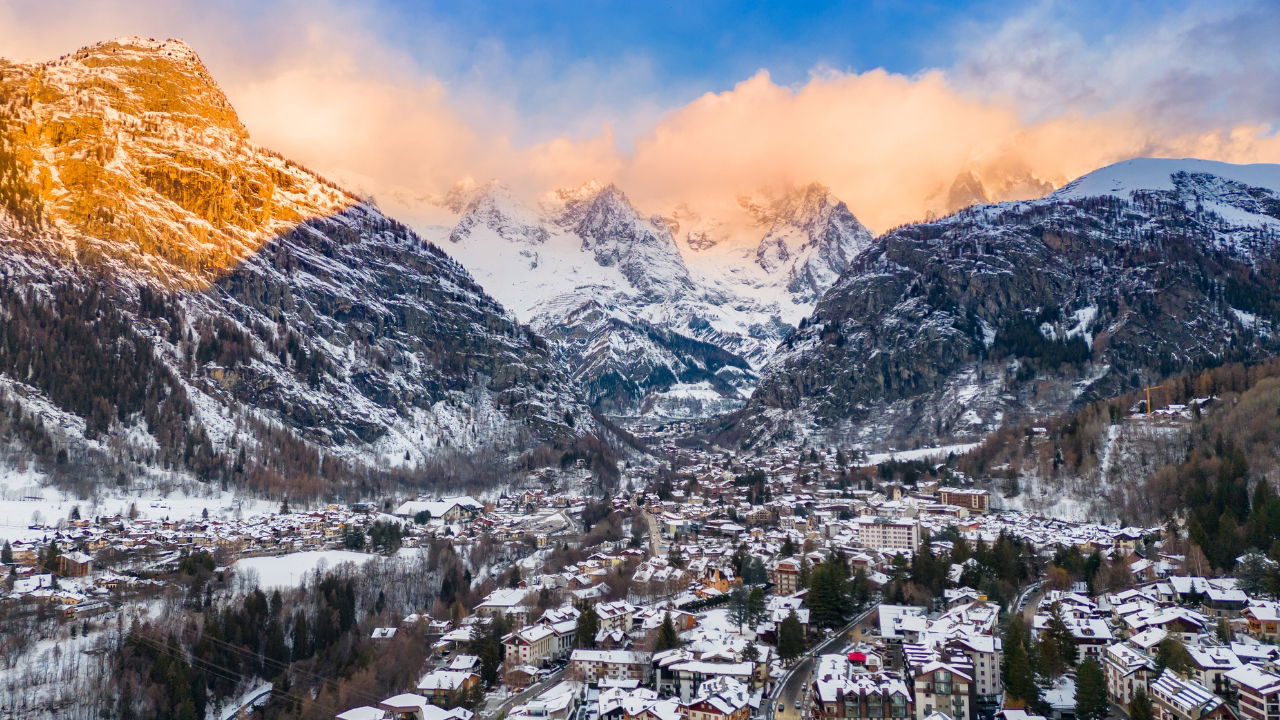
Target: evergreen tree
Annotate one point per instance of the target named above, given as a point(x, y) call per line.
point(756, 605)
point(668, 638)
point(51, 553)
point(1224, 631)
point(739, 606)
point(828, 599)
point(486, 644)
point(1016, 669)
point(1060, 641)
point(790, 638)
point(1140, 706)
point(1049, 655)
point(675, 557)
point(1173, 655)
point(1091, 691)
point(860, 589)
point(301, 637)
point(584, 635)
point(6, 554)
point(513, 580)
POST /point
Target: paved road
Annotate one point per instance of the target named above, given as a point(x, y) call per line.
point(795, 685)
point(655, 534)
point(1028, 601)
point(523, 696)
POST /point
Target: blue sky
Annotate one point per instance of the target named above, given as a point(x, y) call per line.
point(713, 44)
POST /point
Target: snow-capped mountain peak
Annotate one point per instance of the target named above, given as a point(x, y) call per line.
point(1162, 174)
point(492, 206)
point(812, 237)
point(230, 302)
point(725, 287)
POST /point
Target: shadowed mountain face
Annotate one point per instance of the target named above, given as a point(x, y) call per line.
point(1002, 313)
point(181, 300)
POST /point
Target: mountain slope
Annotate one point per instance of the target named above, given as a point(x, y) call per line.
point(687, 308)
point(179, 299)
point(946, 330)
point(1113, 459)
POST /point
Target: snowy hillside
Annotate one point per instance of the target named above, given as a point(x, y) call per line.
point(1161, 174)
point(1003, 313)
point(179, 299)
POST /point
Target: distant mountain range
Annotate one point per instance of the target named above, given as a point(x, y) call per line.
point(660, 316)
point(179, 301)
point(1002, 313)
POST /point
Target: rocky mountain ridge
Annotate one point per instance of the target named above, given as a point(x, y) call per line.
point(586, 263)
point(180, 300)
point(944, 331)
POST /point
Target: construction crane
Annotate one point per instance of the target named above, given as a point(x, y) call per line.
point(1155, 387)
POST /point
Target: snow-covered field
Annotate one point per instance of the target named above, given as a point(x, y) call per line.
point(939, 452)
point(288, 571)
point(24, 502)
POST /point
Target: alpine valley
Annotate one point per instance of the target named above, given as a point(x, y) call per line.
point(647, 426)
point(180, 302)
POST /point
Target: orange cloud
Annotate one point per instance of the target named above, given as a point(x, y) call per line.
point(316, 83)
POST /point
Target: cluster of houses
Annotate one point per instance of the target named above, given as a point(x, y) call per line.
point(951, 658)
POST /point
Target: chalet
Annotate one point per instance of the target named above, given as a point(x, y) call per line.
point(445, 512)
point(593, 666)
point(721, 699)
point(410, 706)
point(1210, 665)
point(440, 687)
point(1257, 692)
point(1174, 697)
point(1263, 620)
point(505, 602)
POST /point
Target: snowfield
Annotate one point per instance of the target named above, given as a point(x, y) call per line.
point(289, 571)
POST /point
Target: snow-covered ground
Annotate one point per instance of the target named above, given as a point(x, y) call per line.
point(939, 452)
point(289, 571)
point(24, 502)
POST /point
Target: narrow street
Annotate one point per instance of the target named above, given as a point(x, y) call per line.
point(1028, 601)
point(795, 685)
point(503, 707)
point(656, 546)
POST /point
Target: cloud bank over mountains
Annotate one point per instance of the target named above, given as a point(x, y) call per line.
point(1026, 103)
